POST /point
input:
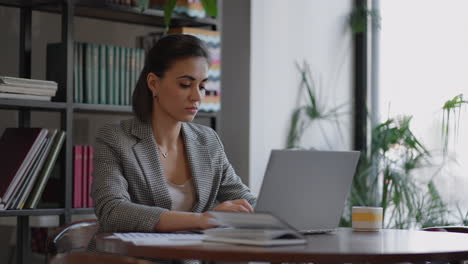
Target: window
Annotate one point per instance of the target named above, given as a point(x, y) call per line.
point(423, 63)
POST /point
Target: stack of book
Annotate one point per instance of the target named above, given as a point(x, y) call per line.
point(27, 156)
point(29, 89)
point(82, 176)
point(212, 100)
point(103, 74)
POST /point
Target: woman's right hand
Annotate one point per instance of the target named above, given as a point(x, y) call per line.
point(205, 220)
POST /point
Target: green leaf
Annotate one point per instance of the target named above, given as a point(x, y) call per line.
point(449, 107)
point(294, 134)
point(168, 10)
point(359, 16)
point(210, 7)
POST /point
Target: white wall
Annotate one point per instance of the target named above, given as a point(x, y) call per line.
point(281, 34)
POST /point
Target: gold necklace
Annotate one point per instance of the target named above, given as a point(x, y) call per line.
point(164, 154)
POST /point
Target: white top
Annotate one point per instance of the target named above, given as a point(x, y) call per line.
point(183, 196)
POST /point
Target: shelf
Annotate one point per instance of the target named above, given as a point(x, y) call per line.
point(113, 12)
point(32, 212)
point(32, 105)
point(102, 108)
point(27, 3)
point(77, 211)
point(121, 13)
point(125, 109)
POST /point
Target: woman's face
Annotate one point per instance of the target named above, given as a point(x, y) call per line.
point(181, 89)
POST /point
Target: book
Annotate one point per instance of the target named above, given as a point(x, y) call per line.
point(77, 175)
point(31, 181)
point(90, 174)
point(75, 73)
point(136, 68)
point(110, 72)
point(26, 90)
point(22, 183)
point(24, 82)
point(133, 74)
point(88, 85)
point(102, 75)
point(127, 80)
point(17, 147)
point(44, 174)
point(95, 73)
point(256, 229)
point(122, 67)
point(80, 64)
point(84, 178)
point(116, 73)
point(25, 96)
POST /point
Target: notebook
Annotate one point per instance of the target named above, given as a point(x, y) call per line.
point(256, 229)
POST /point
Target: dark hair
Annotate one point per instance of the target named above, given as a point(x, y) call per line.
point(158, 60)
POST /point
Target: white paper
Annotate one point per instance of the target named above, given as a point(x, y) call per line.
point(164, 239)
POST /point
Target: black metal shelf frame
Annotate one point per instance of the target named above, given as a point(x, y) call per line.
point(81, 211)
point(32, 212)
point(32, 105)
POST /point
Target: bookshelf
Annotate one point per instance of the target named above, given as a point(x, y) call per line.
point(68, 9)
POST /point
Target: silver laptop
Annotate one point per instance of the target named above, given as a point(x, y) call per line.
point(307, 188)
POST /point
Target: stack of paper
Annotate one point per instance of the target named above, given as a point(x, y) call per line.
point(161, 239)
point(29, 89)
point(256, 229)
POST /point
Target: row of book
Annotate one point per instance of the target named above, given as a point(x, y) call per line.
point(27, 156)
point(107, 74)
point(104, 74)
point(212, 100)
point(82, 176)
point(29, 89)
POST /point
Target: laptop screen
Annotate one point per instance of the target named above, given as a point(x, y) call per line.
point(307, 189)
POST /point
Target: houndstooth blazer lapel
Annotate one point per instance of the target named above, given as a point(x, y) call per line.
point(200, 163)
point(147, 155)
point(199, 160)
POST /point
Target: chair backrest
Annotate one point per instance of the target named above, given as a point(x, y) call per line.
point(92, 258)
point(72, 237)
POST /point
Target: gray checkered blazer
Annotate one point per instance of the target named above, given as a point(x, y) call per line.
point(129, 188)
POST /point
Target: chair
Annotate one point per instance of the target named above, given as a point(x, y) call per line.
point(71, 237)
point(92, 258)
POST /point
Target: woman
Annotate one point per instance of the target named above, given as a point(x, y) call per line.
point(159, 172)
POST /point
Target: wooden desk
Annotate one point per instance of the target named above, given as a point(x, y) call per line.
point(344, 245)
